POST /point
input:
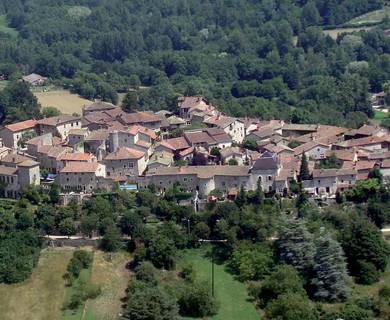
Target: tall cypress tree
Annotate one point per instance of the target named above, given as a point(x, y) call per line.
point(330, 279)
point(296, 246)
point(304, 173)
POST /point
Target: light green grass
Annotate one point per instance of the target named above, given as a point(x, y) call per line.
point(41, 296)
point(231, 294)
point(5, 28)
point(378, 117)
point(109, 271)
point(77, 314)
point(370, 17)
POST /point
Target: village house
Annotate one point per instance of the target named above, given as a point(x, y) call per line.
point(326, 182)
point(76, 138)
point(34, 79)
point(265, 170)
point(203, 179)
point(372, 143)
point(235, 128)
point(58, 126)
point(49, 157)
point(96, 143)
point(160, 159)
point(125, 162)
point(98, 106)
point(313, 150)
point(146, 119)
point(14, 159)
point(188, 106)
point(385, 169)
point(11, 134)
point(78, 157)
point(296, 130)
point(136, 137)
point(232, 153)
point(81, 176)
point(363, 167)
point(365, 131)
point(14, 178)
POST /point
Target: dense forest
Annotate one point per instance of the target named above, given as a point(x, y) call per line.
point(257, 58)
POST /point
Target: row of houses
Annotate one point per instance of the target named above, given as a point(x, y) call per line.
point(106, 145)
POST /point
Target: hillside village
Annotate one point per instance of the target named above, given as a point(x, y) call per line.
point(197, 146)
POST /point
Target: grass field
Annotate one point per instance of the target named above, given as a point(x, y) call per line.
point(77, 314)
point(4, 27)
point(41, 296)
point(112, 275)
point(334, 33)
point(63, 100)
point(231, 293)
point(371, 17)
point(378, 117)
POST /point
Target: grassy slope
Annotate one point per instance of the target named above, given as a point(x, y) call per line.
point(113, 277)
point(378, 117)
point(371, 17)
point(77, 314)
point(231, 294)
point(39, 297)
point(63, 100)
point(4, 27)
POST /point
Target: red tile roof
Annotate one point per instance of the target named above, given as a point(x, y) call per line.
point(77, 156)
point(124, 154)
point(138, 117)
point(20, 126)
point(179, 143)
point(80, 167)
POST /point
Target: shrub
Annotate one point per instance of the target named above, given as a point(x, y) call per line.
point(367, 273)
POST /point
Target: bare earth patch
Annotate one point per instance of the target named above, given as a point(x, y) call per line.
point(41, 296)
point(63, 100)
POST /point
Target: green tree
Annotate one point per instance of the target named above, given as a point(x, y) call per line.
point(330, 279)
point(362, 241)
point(283, 280)
point(130, 102)
point(54, 193)
point(48, 112)
point(149, 302)
point(161, 251)
point(233, 162)
point(291, 306)
point(251, 262)
point(67, 227)
point(304, 173)
point(295, 245)
point(196, 300)
point(111, 240)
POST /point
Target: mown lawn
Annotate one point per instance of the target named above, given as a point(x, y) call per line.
point(110, 272)
point(41, 296)
point(76, 314)
point(232, 294)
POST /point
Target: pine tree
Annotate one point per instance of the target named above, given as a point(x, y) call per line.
point(241, 197)
point(330, 271)
point(296, 245)
point(304, 173)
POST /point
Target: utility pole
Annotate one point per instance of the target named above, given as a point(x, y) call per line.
point(212, 259)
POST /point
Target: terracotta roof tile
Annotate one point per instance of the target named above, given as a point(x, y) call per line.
point(80, 167)
point(20, 126)
point(124, 154)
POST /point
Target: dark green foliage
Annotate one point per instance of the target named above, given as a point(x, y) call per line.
point(329, 163)
point(251, 262)
point(161, 251)
point(349, 312)
point(19, 253)
point(144, 301)
point(283, 280)
point(304, 173)
point(48, 112)
point(375, 174)
point(363, 190)
point(366, 272)
point(146, 272)
point(246, 61)
point(295, 245)
point(250, 144)
point(291, 306)
point(80, 260)
point(330, 277)
point(363, 242)
point(17, 103)
point(112, 240)
point(197, 301)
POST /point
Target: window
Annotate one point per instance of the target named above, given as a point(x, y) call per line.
point(327, 189)
point(269, 188)
point(269, 178)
